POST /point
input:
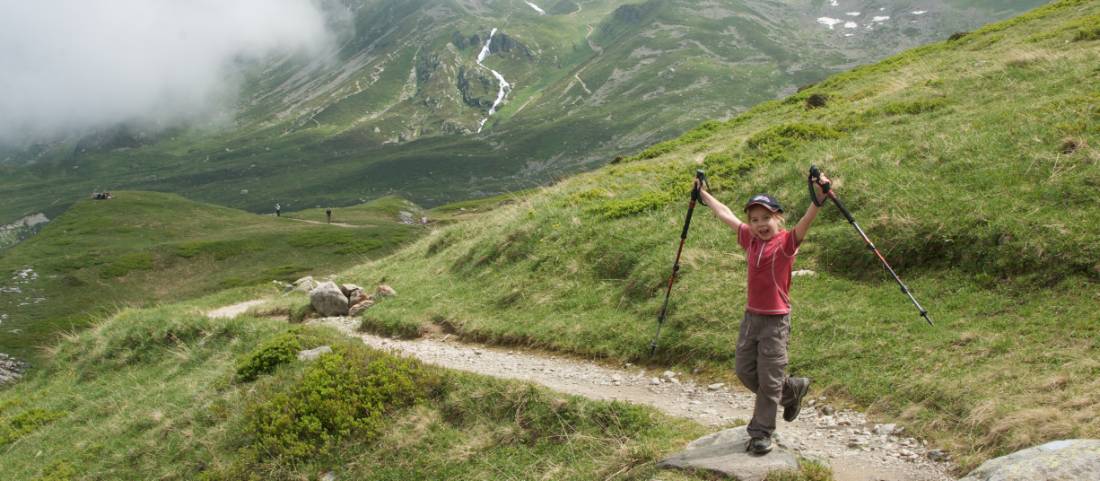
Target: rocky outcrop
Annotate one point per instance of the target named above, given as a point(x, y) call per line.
point(477, 90)
point(1068, 460)
point(11, 369)
point(328, 300)
point(724, 453)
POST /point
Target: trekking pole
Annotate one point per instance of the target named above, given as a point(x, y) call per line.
point(815, 178)
point(695, 196)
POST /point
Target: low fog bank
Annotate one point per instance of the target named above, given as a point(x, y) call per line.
point(67, 66)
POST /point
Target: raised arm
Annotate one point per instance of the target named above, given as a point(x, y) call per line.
point(724, 213)
point(803, 226)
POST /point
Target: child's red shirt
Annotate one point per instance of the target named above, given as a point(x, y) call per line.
point(770, 264)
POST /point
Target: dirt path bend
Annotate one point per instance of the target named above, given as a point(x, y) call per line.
point(229, 312)
point(857, 449)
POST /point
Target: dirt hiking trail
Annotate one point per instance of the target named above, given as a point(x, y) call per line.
point(855, 448)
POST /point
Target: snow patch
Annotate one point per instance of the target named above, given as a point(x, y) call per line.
point(834, 3)
point(536, 7)
point(881, 18)
point(829, 22)
point(850, 25)
point(919, 12)
point(852, 14)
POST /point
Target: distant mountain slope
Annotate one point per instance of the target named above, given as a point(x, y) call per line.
point(399, 106)
point(972, 163)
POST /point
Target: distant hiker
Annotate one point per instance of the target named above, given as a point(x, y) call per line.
point(761, 355)
point(328, 215)
point(278, 210)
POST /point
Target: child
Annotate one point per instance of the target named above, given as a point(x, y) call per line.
point(761, 355)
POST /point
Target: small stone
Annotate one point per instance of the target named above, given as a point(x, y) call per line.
point(938, 455)
point(384, 291)
point(360, 307)
point(668, 375)
point(827, 410)
point(716, 386)
point(803, 272)
point(313, 354)
point(885, 429)
point(655, 381)
point(617, 378)
point(328, 476)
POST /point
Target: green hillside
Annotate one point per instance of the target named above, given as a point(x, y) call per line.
point(971, 162)
point(398, 109)
point(166, 393)
point(143, 248)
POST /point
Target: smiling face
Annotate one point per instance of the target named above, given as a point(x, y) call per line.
point(764, 223)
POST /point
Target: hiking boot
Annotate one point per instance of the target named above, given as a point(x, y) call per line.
point(759, 446)
point(800, 386)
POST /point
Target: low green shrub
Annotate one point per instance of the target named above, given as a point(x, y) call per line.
point(274, 352)
point(910, 107)
point(1087, 34)
point(346, 393)
point(617, 208)
point(25, 423)
point(58, 471)
point(773, 144)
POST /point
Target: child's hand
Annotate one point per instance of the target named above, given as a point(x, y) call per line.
point(818, 190)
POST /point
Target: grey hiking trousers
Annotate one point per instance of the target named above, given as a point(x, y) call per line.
point(761, 361)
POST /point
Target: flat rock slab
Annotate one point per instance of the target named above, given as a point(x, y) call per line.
point(724, 452)
point(1068, 460)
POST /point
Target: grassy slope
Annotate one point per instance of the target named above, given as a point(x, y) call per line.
point(143, 247)
point(155, 394)
point(972, 163)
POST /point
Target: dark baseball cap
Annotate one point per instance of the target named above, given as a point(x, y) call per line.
point(765, 200)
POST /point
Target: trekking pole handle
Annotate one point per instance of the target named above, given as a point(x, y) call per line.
point(815, 178)
point(696, 193)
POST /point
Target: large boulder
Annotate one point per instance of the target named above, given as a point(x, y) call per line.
point(328, 300)
point(1068, 460)
point(724, 453)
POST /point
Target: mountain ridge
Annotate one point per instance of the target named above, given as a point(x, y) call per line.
point(398, 105)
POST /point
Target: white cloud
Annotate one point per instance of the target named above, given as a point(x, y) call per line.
point(70, 65)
